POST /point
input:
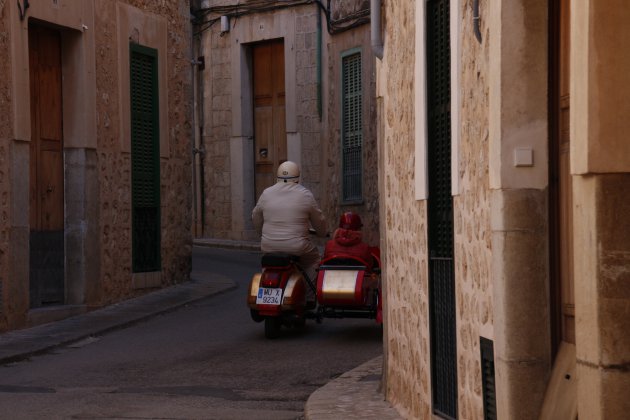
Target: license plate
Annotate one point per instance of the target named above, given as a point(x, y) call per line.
point(269, 296)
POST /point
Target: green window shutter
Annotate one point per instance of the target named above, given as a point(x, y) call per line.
point(352, 128)
point(145, 159)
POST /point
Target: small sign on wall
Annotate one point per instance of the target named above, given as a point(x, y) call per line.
point(523, 157)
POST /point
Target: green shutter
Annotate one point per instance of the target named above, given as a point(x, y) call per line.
point(352, 128)
point(145, 159)
point(442, 308)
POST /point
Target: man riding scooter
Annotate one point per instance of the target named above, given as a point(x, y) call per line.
point(283, 215)
point(284, 293)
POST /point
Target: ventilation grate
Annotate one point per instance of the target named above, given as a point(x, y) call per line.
point(487, 377)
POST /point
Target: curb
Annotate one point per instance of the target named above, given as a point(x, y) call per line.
point(355, 394)
point(227, 244)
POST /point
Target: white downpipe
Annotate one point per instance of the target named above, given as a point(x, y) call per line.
point(375, 26)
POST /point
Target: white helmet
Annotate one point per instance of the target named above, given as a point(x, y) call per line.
point(289, 172)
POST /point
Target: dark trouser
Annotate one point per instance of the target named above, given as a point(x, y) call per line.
point(309, 263)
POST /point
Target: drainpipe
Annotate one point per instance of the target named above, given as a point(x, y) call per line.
point(375, 26)
point(319, 63)
point(197, 147)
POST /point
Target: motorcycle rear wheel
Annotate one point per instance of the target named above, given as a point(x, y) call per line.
point(272, 327)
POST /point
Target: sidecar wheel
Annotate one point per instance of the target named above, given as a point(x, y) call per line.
point(272, 327)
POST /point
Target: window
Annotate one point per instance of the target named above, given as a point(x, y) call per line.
point(145, 159)
point(352, 127)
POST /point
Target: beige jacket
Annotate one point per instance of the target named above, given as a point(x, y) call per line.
point(283, 215)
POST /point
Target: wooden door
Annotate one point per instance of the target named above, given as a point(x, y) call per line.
point(270, 139)
point(46, 182)
point(561, 180)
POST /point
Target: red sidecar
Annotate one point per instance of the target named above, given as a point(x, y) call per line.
point(349, 283)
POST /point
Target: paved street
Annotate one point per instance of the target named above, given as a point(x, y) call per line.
point(205, 360)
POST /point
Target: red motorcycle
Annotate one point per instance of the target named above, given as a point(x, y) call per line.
point(348, 283)
point(277, 295)
point(347, 287)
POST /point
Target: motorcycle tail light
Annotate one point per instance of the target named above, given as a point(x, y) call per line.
point(270, 279)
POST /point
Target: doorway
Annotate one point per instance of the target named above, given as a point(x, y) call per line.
point(270, 139)
point(46, 184)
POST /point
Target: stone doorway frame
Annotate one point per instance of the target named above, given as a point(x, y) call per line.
point(80, 180)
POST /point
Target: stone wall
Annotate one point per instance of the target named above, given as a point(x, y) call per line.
point(5, 151)
point(403, 228)
point(222, 106)
point(114, 165)
point(332, 205)
point(227, 125)
point(96, 157)
point(408, 371)
point(308, 122)
point(602, 295)
point(601, 226)
point(501, 213)
point(217, 131)
point(473, 253)
point(342, 9)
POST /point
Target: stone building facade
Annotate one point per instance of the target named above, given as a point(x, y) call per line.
point(241, 140)
point(535, 306)
point(336, 47)
point(75, 76)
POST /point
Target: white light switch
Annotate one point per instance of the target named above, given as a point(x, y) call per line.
point(523, 157)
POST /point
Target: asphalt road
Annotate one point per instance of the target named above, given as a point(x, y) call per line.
point(208, 360)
